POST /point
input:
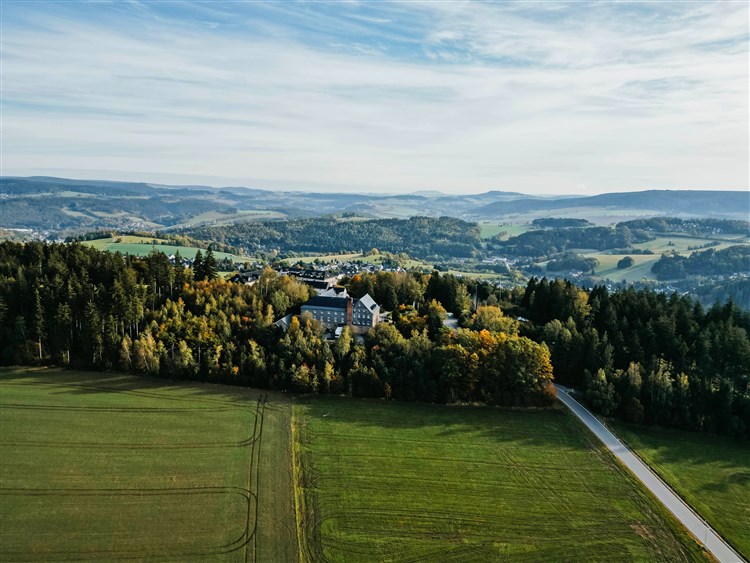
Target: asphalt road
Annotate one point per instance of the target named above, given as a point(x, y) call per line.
point(697, 526)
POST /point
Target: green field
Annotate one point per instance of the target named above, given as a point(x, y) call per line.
point(409, 482)
point(219, 218)
point(608, 270)
point(99, 467)
point(712, 473)
point(489, 230)
point(141, 246)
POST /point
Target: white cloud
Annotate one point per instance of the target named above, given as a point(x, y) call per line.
point(536, 98)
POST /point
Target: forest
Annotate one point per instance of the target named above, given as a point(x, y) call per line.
point(637, 355)
point(693, 227)
point(421, 237)
point(542, 243)
point(560, 223)
point(710, 262)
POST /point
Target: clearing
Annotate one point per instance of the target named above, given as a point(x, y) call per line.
point(411, 482)
point(141, 246)
point(99, 466)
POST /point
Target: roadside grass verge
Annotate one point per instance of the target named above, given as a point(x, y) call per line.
point(712, 474)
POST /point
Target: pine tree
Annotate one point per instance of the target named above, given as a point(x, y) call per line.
point(209, 266)
point(38, 320)
point(198, 271)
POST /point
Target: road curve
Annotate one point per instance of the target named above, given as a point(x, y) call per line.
point(697, 526)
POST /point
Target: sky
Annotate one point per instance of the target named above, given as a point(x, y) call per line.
point(456, 96)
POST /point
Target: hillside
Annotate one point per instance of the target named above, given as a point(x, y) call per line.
point(675, 202)
point(59, 206)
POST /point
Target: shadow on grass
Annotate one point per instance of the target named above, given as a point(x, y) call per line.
point(79, 382)
point(725, 458)
point(549, 427)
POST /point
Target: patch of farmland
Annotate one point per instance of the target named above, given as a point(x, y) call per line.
point(98, 467)
point(607, 268)
point(407, 482)
point(142, 246)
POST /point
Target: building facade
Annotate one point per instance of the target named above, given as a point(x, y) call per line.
point(336, 308)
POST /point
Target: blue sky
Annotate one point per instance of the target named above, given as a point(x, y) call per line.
point(539, 97)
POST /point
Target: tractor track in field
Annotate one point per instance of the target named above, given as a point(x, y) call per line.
point(133, 446)
point(251, 543)
point(23, 406)
point(234, 545)
point(156, 393)
point(250, 528)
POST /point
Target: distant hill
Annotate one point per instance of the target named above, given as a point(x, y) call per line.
point(63, 206)
point(675, 202)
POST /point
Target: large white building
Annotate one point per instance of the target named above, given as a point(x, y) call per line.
point(335, 308)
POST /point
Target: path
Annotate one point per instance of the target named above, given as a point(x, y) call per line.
point(697, 526)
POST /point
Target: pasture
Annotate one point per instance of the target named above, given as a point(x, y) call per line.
point(96, 466)
point(411, 482)
point(141, 246)
point(607, 268)
point(489, 230)
point(712, 473)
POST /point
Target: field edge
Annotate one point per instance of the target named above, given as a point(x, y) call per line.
point(666, 480)
point(299, 491)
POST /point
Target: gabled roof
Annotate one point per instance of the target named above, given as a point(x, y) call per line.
point(368, 302)
point(316, 284)
point(331, 302)
point(335, 291)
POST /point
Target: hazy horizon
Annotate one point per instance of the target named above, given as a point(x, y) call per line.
point(458, 97)
point(363, 191)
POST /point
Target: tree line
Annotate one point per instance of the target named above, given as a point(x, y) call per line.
point(710, 262)
point(635, 354)
point(645, 356)
point(422, 237)
point(73, 305)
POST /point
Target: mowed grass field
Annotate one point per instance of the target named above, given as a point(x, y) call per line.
point(408, 482)
point(97, 466)
point(712, 473)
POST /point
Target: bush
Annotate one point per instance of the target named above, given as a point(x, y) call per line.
point(626, 262)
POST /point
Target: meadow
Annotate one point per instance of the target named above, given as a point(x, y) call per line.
point(410, 482)
point(95, 466)
point(488, 229)
point(141, 246)
point(712, 473)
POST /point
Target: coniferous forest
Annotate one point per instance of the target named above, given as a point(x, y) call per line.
point(634, 354)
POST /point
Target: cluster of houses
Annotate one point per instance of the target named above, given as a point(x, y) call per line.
point(319, 280)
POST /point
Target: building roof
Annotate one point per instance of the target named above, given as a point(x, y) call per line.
point(368, 302)
point(335, 291)
point(309, 274)
point(316, 284)
point(284, 322)
point(325, 301)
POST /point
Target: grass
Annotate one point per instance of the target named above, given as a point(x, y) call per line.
point(489, 230)
point(712, 473)
point(681, 243)
point(101, 466)
point(410, 482)
point(607, 268)
point(220, 218)
point(141, 246)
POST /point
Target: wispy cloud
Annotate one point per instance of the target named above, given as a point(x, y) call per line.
point(459, 96)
